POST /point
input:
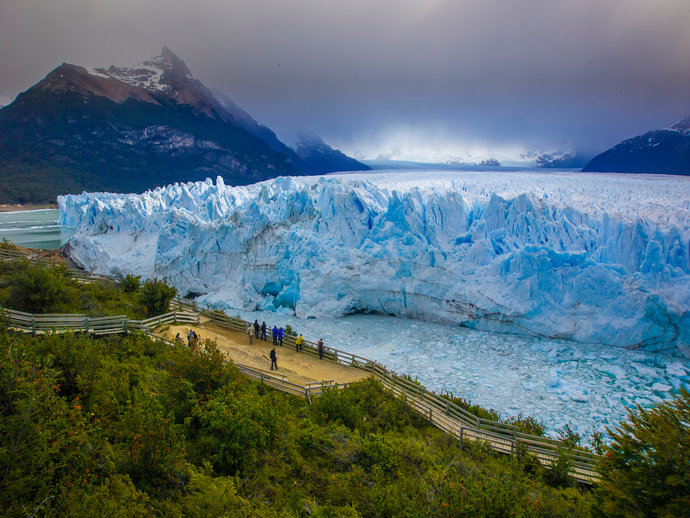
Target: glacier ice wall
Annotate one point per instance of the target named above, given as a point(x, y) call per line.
point(588, 257)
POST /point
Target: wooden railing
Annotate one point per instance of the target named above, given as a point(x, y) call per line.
point(54, 322)
point(438, 410)
point(79, 275)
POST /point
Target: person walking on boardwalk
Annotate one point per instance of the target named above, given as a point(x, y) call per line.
point(263, 331)
point(298, 343)
point(274, 332)
point(250, 333)
point(274, 359)
point(280, 336)
point(257, 329)
point(320, 348)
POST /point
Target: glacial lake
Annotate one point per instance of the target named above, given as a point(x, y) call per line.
point(34, 229)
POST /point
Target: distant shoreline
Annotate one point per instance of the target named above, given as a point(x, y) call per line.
point(5, 207)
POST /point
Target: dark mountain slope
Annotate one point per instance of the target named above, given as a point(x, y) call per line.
point(322, 158)
point(124, 130)
point(659, 151)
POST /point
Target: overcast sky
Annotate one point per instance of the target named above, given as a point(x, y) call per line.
point(412, 79)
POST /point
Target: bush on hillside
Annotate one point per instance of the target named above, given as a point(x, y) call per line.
point(130, 283)
point(8, 245)
point(646, 470)
point(36, 288)
point(155, 296)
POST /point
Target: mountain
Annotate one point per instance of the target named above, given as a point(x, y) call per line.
point(127, 130)
point(659, 151)
point(311, 154)
point(257, 129)
point(321, 158)
point(561, 160)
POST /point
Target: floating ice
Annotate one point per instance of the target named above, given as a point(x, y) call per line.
point(511, 374)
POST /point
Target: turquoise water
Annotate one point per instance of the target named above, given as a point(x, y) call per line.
point(34, 229)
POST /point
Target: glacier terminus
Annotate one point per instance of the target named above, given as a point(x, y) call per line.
point(588, 257)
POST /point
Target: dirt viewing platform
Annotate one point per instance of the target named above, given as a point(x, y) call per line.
point(298, 367)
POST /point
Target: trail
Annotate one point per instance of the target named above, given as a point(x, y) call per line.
point(299, 367)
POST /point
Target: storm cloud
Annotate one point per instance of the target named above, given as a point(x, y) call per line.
point(430, 79)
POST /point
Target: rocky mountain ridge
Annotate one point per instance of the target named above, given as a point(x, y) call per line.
point(665, 151)
point(129, 129)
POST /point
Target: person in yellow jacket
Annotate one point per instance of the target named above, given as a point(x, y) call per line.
point(298, 343)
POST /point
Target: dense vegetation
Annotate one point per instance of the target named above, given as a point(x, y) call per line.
point(130, 426)
point(38, 288)
point(126, 425)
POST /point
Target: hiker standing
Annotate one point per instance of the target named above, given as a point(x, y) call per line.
point(250, 333)
point(280, 336)
point(320, 348)
point(274, 359)
point(257, 328)
point(263, 331)
point(274, 332)
point(298, 343)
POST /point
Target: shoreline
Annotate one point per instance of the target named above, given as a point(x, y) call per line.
point(10, 207)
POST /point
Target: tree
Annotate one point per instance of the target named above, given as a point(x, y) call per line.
point(130, 283)
point(646, 470)
point(155, 296)
point(38, 288)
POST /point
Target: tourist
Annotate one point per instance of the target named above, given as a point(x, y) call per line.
point(280, 336)
point(274, 359)
point(298, 343)
point(257, 328)
point(250, 333)
point(263, 331)
point(274, 332)
point(189, 338)
point(320, 348)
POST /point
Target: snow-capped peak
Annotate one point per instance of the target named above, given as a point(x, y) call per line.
point(682, 126)
point(152, 74)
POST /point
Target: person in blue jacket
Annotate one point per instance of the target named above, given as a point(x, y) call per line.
point(280, 336)
point(275, 335)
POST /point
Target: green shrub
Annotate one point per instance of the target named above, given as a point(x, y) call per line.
point(38, 288)
point(130, 283)
point(528, 424)
point(646, 469)
point(155, 296)
point(8, 245)
point(126, 425)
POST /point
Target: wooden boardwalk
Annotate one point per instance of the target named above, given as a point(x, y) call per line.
point(438, 410)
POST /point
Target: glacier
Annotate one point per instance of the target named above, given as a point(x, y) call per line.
point(589, 257)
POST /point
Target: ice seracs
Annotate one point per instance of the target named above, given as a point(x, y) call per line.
point(592, 258)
